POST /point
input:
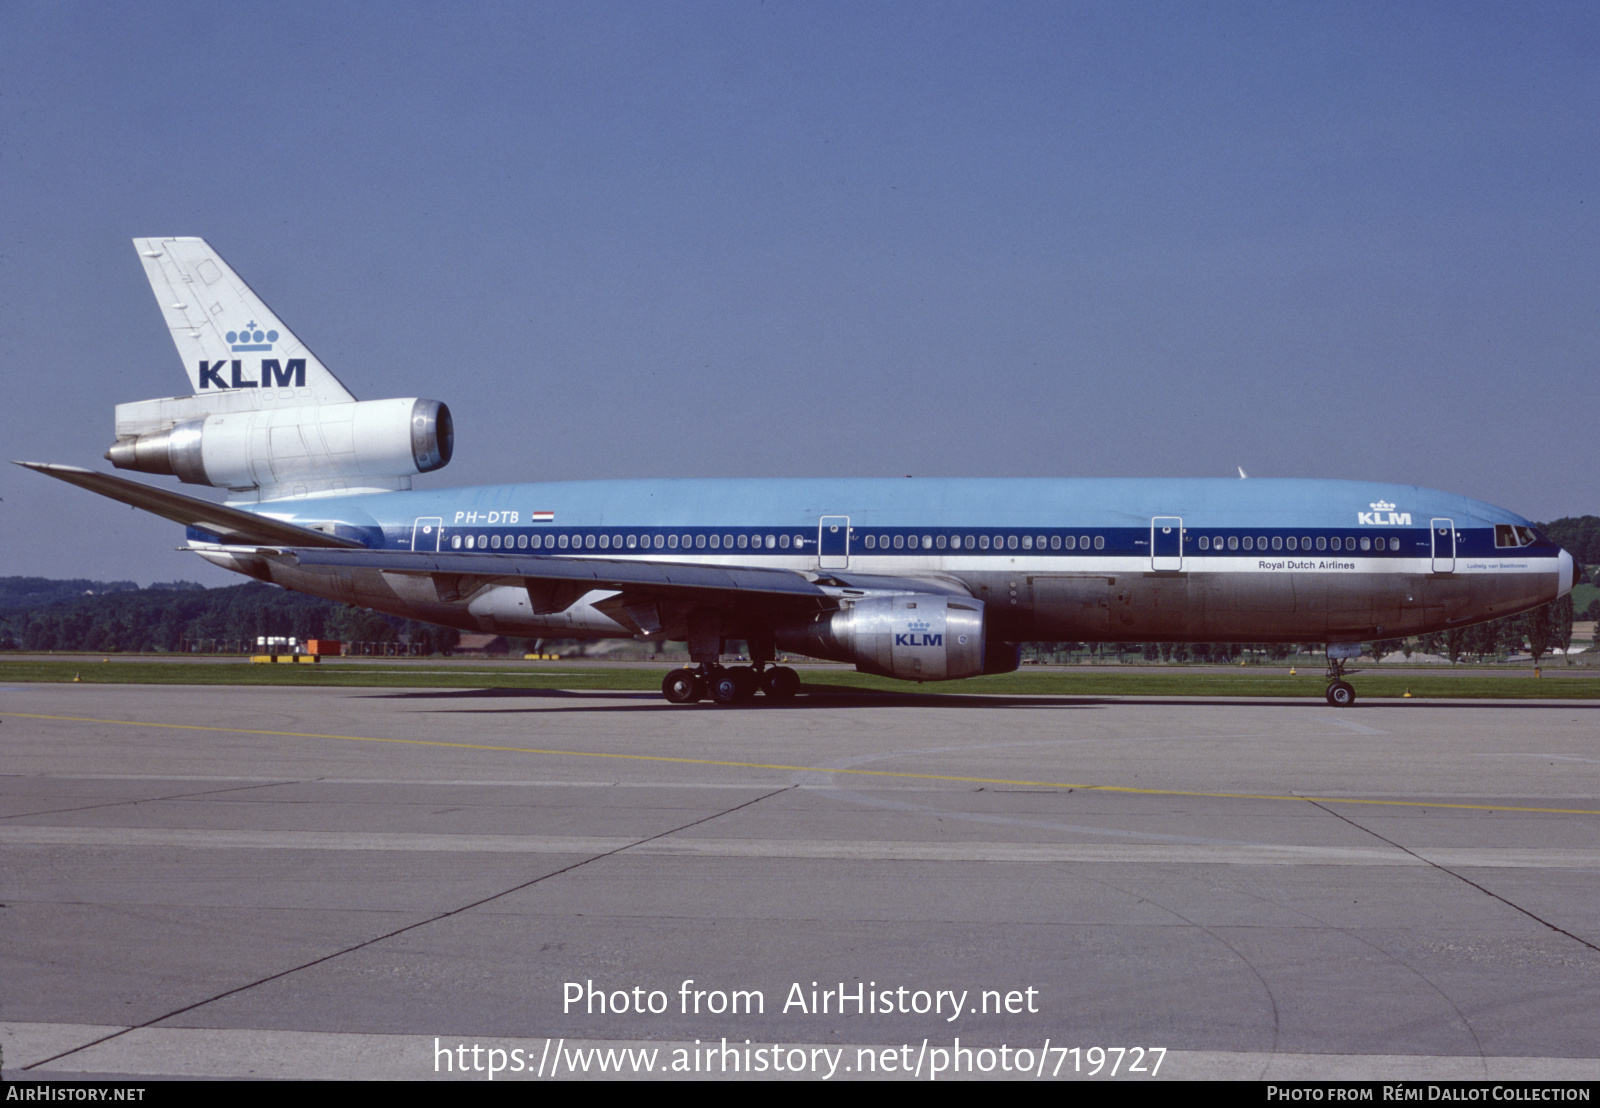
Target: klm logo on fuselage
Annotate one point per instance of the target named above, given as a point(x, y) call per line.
point(1383, 514)
point(274, 374)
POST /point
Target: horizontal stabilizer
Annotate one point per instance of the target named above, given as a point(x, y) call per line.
point(231, 525)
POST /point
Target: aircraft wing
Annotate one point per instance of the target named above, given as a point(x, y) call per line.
point(633, 576)
point(231, 525)
point(649, 595)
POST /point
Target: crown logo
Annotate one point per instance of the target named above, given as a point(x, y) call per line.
point(251, 339)
point(1382, 506)
point(918, 625)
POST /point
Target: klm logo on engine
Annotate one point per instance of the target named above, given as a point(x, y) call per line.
point(918, 635)
point(1383, 513)
point(273, 373)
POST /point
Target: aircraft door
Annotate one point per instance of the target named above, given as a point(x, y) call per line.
point(1444, 545)
point(425, 533)
point(1166, 543)
point(833, 543)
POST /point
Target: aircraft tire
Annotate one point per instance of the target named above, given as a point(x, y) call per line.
point(733, 685)
point(1341, 694)
point(682, 686)
point(780, 683)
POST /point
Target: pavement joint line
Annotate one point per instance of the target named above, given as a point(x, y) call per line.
point(1126, 789)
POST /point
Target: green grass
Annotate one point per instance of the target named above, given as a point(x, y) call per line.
point(1244, 682)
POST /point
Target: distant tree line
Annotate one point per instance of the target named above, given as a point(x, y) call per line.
point(41, 615)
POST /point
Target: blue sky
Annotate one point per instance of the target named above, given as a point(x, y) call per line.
point(708, 239)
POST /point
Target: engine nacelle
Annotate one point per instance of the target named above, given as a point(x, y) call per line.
point(917, 637)
point(298, 449)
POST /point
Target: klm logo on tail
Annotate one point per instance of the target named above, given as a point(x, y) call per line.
point(251, 338)
point(290, 374)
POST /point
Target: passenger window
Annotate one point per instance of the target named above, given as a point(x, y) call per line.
point(1261, 542)
point(1072, 542)
point(455, 542)
point(483, 542)
point(1334, 543)
point(714, 541)
point(783, 541)
point(871, 542)
point(1011, 542)
point(899, 541)
point(983, 542)
point(588, 541)
point(1249, 543)
point(1366, 543)
point(495, 542)
point(1233, 542)
point(940, 541)
point(699, 542)
point(1205, 543)
point(1322, 542)
point(1099, 542)
point(1027, 542)
point(1055, 542)
point(727, 542)
point(1277, 542)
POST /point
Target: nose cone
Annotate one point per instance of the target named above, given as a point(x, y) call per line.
point(1564, 575)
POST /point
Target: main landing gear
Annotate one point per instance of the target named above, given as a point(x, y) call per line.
point(730, 684)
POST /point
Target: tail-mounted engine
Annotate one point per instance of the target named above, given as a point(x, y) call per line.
point(288, 451)
point(915, 637)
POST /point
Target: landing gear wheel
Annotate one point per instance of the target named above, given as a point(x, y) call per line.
point(682, 686)
point(1341, 694)
point(780, 683)
point(734, 685)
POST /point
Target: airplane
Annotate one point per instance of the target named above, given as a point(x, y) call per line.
point(918, 579)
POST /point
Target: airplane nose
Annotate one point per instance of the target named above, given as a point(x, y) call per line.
point(1564, 575)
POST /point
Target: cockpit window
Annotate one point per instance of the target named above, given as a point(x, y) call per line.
point(1509, 534)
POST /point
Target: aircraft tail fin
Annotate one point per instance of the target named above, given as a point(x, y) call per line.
point(227, 337)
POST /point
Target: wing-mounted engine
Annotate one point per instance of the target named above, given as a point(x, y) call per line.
point(360, 446)
point(915, 637)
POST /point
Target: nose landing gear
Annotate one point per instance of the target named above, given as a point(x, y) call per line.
point(1341, 694)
